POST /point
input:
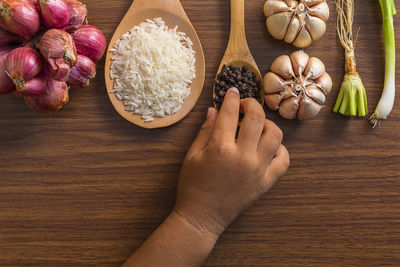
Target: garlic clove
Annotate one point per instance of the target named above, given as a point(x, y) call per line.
point(315, 68)
point(316, 27)
point(324, 82)
point(273, 101)
point(311, 3)
point(288, 108)
point(283, 67)
point(278, 24)
point(299, 61)
point(275, 6)
point(316, 94)
point(273, 83)
point(320, 10)
point(292, 3)
point(287, 92)
point(308, 109)
point(303, 39)
point(293, 30)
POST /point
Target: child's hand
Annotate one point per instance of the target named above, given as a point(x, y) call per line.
point(222, 175)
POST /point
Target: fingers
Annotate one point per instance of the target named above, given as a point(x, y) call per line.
point(252, 124)
point(270, 141)
point(227, 121)
point(204, 134)
point(278, 167)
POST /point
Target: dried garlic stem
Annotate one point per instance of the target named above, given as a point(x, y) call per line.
point(352, 99)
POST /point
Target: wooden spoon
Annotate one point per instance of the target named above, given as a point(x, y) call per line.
point(172, 12)
point(238, 53)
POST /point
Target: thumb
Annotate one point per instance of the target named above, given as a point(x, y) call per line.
point(205, 133)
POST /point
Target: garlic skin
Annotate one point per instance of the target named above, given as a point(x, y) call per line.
point(297, 86)
point(297, 22)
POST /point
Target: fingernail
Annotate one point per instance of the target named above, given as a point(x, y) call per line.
point(209, 112)
point(234, 89)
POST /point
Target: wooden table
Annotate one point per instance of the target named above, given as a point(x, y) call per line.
point(83, 187)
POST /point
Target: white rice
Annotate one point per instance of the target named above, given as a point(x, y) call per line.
point(153, 68)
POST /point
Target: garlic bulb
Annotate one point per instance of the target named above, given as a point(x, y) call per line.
point(297, 86)
point(297, 22)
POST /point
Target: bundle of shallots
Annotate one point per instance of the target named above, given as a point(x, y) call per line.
point(45, 46)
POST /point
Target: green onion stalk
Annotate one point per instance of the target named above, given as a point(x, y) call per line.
point(386, 102)
point(352, 99)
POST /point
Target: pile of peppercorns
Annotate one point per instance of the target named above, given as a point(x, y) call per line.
point(232, 76)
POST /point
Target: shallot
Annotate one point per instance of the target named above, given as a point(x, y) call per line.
point(54, 97)
point(59, 50)
point(35, 86)
point(83, 72)
point(297, 86)
point(352, 99)
point(90, 42)
point(22, 64)
point(7, 38)
point(20, 17)
point(78, 15)
point(55, 13)
point(6, 84)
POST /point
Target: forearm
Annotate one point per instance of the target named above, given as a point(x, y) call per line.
point(175, 243)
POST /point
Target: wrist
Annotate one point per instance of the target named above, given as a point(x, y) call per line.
point(202, 223)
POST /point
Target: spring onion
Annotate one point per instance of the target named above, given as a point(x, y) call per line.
point(352, 99)
point(386, 102)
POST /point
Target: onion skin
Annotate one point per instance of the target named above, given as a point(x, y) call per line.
point(59, 50)
point(6, 84)
point(35, 86)
point(55, 13)
point(90, 42)
point(7, 38)
point(54, 97)
point(83, 72)
point(78, 13)
point(22, 64)
point(20, 17)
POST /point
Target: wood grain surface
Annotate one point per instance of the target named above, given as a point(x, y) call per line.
point(84, 187)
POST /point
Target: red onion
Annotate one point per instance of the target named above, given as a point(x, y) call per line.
point(20, 17)
point(55, 13)
point(90, 42)
point(83, 72)
point(78, 15)
point(6, 85)
point(22, 64)
point(35, 86)
point(54, 97)
point(59, 50)
point(7, 38)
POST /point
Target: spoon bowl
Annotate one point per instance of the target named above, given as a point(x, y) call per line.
point(172, 12)
point(238, 52)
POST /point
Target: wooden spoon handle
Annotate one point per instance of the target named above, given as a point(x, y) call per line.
point(174, 6)
point(237, 38)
